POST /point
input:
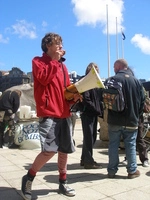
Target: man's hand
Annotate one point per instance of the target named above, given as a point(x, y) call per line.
point(77, 96)
point(58, 55)
point(71, 93)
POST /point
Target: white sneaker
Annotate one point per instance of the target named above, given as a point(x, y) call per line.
point(145, 163)
point(26, 188)
point(66, 190)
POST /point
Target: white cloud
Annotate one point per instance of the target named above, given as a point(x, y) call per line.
point(24, 29)
point(44, 24)
point(3, 40)
point(94, 12)
point(142, 42)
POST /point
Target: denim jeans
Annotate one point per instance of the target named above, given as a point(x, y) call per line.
point(129, 137)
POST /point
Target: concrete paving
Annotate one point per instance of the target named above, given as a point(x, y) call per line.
point(91, 184)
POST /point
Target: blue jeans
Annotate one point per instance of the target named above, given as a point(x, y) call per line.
point(129, 137)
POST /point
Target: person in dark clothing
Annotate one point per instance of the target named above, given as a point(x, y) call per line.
point(9, 104)
point(141, 146)
point(89, 118)
point(125, 124)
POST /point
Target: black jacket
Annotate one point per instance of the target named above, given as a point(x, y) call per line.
point(134, 97)
point(10, 100)
point(92, 102)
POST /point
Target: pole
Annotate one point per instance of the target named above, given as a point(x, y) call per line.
point(108, 42)
point(122, 44)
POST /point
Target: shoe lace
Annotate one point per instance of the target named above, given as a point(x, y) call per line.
point(67, 188)
point(28, 187)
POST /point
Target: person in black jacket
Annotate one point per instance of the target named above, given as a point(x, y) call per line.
point(91, 110)
point(9, 104)
point(125, 124)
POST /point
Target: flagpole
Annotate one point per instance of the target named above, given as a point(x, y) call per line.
point(122, 44)
point(117, 51)
point(108, 43)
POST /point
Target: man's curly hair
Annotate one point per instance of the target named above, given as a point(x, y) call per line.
point(50, 38)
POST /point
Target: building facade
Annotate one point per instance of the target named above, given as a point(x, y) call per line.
point(16, 76)
point(12, 78)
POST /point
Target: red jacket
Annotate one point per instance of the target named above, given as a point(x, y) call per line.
point(49, 87)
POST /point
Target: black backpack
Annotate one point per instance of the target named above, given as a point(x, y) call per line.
point(113, 95)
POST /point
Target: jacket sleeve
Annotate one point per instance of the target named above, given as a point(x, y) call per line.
point(44, 72)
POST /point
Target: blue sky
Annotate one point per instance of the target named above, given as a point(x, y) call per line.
point(83, 27)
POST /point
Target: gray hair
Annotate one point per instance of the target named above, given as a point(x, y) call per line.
point(123, 63)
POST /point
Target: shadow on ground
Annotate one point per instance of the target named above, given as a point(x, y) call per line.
point(13, 194)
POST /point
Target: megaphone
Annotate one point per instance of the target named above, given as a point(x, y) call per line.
point(90, 81)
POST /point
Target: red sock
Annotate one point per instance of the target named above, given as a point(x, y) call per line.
point(62, 176)
point(31, 172)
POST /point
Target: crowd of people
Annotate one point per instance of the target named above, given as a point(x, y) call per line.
point(55, 125)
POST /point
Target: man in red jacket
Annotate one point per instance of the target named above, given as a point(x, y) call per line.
point(50, 80)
